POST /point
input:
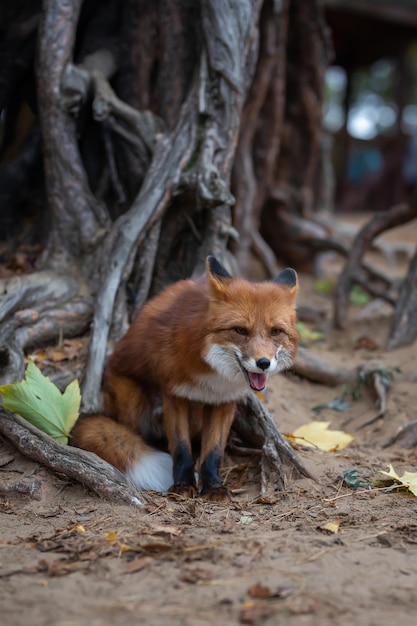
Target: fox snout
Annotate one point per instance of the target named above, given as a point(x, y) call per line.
point(263, 363)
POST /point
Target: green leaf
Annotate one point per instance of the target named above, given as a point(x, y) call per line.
point(324, 286)
point(307, 335)
point(42, 404)
point(359, 296)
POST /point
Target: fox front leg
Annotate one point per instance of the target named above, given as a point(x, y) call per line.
point(217, 422)
point(176, 421)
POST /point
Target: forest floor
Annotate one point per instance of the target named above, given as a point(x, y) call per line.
point(72, 559)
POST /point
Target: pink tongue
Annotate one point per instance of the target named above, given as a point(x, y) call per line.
point(257, 381)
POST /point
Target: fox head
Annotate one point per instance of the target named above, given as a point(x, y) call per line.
point(251, 326)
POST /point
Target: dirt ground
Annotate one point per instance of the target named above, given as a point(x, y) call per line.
point(71, 559)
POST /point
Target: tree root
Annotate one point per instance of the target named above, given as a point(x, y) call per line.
point(77, 464)
point(255, 426)
point(403, 330)
point(400, 214)
point(46, 305)
point(28, 290)
point(27, 486)
point(127, 233)
point(406, 436)
point(317, 370)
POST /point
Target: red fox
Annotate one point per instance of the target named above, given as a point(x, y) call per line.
point(196, 348)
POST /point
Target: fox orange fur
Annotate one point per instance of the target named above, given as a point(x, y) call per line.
point(196, 349)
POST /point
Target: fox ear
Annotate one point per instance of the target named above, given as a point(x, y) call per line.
point(288, 278)
point(218, 276)
point(216, 269)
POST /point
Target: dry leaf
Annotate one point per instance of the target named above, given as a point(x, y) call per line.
point(195, 575)
point(331, 527)
point(408, 479)
point(316, 435)
point(255, 612)
point(137, 565)
point(260, 591)
point(159, 529)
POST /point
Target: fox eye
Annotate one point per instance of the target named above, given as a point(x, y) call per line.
point(276, 331)
point(241, 330)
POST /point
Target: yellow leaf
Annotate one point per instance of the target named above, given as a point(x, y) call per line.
point(80, 528)
point(111, 536)
point(124, 547)
point(331, 527)
point(316, 435)
point(408, 479)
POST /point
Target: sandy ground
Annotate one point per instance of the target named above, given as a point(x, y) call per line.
point(71, 559)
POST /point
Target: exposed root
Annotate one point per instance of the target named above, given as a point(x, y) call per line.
point(380, 222)
point(79, 465)
point(406, 436)
point(255, 426)
point(312, 367)
point(44, 288)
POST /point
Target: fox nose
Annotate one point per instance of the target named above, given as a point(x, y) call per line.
point(263, 363)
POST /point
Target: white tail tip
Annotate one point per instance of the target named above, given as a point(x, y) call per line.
point(153, 471)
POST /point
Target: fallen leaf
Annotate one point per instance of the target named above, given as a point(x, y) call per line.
point(159, 529)
point(259, 591)
point(359, 296)
point(408, 479)
point(156, 547)
point(60, 567)
point(255, 612)
point(365, 343)
point(317, 435)
point(195, 575)
point(331, 527)
point(42, 404)
point(262, 591)
point(324, 286)
point(308, 335)
point(229, 526)
point(137, 565)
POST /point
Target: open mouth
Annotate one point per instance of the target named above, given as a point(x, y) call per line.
point(256, 381)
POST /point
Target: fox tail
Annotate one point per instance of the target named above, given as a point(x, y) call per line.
point(117, 444)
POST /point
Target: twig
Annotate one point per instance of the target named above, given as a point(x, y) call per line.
point(361, 491)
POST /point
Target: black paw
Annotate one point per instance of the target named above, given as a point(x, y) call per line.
point(219, 493)
point(181, 489)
